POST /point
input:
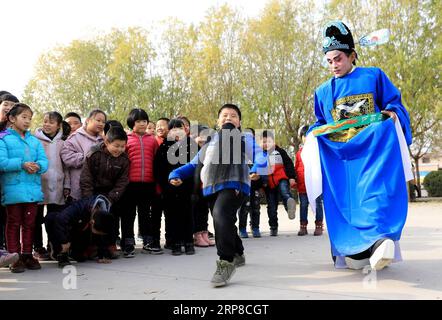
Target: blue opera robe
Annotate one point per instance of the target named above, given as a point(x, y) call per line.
point(364, 188)
point(363, 181)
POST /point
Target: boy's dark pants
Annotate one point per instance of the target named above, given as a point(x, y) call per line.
point(178, 211)
point(157, 210)
point(39, 220)
point(251, 205)
point(138, 197)
point(224, 206)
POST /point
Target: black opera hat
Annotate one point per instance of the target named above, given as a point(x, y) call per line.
point(337, 36)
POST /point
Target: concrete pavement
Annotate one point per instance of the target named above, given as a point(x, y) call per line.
point(286, 267)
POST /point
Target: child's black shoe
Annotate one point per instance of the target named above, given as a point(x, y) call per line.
point(63, 260)
point(189, 248)
point(129, 251)
point(176, 250)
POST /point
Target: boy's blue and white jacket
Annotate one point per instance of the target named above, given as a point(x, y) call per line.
point(226, 166)
point(18, 186)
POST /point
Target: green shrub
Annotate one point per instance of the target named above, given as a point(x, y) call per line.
point(433, 183)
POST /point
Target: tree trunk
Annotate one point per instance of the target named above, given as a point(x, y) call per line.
point(418, 177)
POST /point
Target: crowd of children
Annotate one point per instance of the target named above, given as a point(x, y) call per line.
point(86, 182)
point(91, 179)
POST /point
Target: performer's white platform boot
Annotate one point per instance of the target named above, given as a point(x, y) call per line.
point(383, 255)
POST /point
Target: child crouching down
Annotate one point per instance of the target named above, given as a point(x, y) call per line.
point(226, 179)
point(78, 228)
point(106, 172)
point(22, 162)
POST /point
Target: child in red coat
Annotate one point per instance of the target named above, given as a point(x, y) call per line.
point(141, 148)
point(302, 192)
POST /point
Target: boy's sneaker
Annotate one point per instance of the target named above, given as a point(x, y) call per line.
point(291, 208)
point(239, 260)
point(256, 233)
point(146, 240)
point(243, 233)
point(382, 254)
point(224, 272)
point(7, 258)
point(273, 232)
point(153, 248)
point(41, 254)
point(189, 248)
point(30, 262)
point(63, 260)
point(145, 249)
point(176, 250)
point(129, 251)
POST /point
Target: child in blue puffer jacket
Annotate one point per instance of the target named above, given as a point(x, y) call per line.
point(22, 162)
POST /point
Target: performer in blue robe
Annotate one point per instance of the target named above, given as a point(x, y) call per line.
point(364, 169)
